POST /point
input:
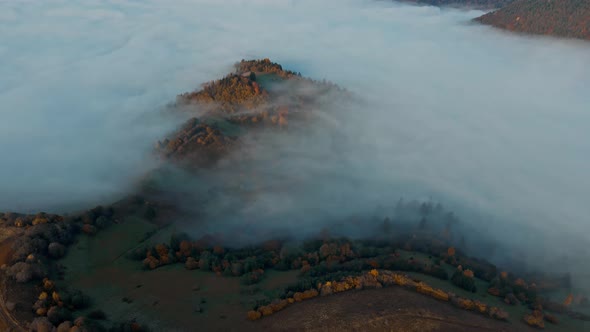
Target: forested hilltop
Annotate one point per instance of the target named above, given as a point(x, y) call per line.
point(562, 18)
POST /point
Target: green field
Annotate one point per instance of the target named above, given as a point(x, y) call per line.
point(167, 298)
point(171, 297)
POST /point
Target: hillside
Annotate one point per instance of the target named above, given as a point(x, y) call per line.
point(481, 4)
point(562, 18)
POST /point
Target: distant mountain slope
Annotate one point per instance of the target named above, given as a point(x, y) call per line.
point(482, 4)
point(563, 18)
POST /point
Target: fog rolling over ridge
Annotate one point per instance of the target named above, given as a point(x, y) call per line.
point(492, 125)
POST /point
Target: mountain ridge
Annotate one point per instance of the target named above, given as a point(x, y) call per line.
point(563, 18)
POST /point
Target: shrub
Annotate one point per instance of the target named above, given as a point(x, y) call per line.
point(97, 314)
point(252, 277)
point(89, 229)
point(237, 268)
point(76, 299)
point(438, 272)
point(23, 272)
point(205, 261)
point(251, 264)
point(57, 315)
point(56, 250)
point(191, 263)
point(461, 280)
point(149, 212)
point(177, 238)
point(41, 324)
point(102, 222)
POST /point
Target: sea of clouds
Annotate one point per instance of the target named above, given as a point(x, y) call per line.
point(491, 124)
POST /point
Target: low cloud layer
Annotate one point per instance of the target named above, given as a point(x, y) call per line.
point(492, 125)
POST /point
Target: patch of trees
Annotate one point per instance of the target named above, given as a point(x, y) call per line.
point(196, 139)
point(58, 310)
point(35, 252)
point(46, 238)
point(480, 267)
point(24, 220)
point(230, 94)
point(323, 255)
point(339, 282)
point(248, 263)
point(40, 243)
point(313, 258)
point(563, 18)
point(264, 66)
point(464, 279)
point(58, 305)
point(514, 290)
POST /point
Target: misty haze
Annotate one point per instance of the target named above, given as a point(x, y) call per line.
point(375, 125)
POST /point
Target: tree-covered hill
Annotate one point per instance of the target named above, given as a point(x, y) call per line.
point(481, 4)
point(562, 18)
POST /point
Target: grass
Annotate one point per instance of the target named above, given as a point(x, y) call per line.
point(171, 297)
point(167, 298)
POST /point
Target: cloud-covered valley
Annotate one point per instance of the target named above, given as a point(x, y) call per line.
point(493, 125)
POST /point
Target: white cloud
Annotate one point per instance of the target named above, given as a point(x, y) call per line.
point(468, 115)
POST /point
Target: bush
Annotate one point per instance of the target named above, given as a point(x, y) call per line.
point(97, 315)
point(251, 278)
point(438, 272)
point(288, 254)
point(88, 218)
point(76, 299)
point(237, 269)
point(129, 326)
point(103, 222)
point(57, 315)
point(177, 238)
point(41, 324)
point(282, 266)
point(149, 212)
point(23, 272)
point(460, 280)
point(251, 264)
point(89, 229)
point(56, 250)
point(205, 261)
point(22, 248)
point(191, 263)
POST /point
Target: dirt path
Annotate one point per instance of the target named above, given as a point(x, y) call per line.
point(7, 322)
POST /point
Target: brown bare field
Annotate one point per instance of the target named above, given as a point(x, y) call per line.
point(388, 309)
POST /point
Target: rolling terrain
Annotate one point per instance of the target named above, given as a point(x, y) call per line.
point(560, 18)
point(131, 265)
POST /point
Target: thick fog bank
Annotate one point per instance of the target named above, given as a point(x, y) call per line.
point(494, 126)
